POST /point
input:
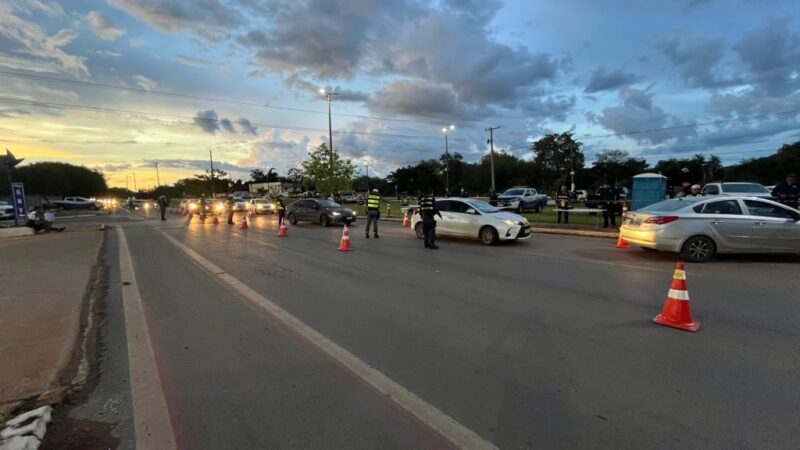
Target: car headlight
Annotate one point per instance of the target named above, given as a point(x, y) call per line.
point(219, 207)
point(147, 206)
point(192, 206)
point(336, 213)
point(510, 222)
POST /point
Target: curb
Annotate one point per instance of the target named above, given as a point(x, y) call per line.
point(573, 232)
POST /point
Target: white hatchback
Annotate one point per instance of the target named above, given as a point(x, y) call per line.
point(469, 218)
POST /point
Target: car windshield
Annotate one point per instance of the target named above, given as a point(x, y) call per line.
point(261, 200)
point(745, 188)
point(329, 204)
point(482, 206)
point(671, 204)
point(514, 192)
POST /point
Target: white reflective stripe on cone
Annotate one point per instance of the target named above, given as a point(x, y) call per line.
point(678, 295)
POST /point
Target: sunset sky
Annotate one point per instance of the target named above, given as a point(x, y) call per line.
point(120, 85)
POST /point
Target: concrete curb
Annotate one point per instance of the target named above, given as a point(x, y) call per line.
point(573, 232)
point(15, 232)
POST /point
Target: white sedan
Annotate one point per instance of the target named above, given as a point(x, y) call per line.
point(469, 218)
point(261, 206)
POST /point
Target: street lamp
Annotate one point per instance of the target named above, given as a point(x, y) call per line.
point(329, 95)
point(447, 159)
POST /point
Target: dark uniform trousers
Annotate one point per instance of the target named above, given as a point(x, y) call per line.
point(429, 230)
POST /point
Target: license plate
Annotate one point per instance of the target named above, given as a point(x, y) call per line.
point(634, 222)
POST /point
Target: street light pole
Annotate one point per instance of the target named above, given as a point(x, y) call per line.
point(329, 96)
point(491, 151)
point(158, 178)
point(447, 159)
point(211, 160)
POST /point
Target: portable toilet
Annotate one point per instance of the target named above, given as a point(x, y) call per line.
point(648, 188)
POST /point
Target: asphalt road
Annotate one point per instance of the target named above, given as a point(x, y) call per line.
point(545, 343)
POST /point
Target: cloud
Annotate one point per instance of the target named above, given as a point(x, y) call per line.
point(145, 83)
point(135, 42)
point(194, 164)
point(207, 120)
point(247, 127)
point(209, 19)
point(103, 27)
point(602, 80)
point(114, 167)
point(191, 61)
point(296, 82)
point(277, 150)
point(210, 122)
point(697, 58)
point(771, 55)
point(226, 125)
point(50, 8)
point(415, 98)
point(42, 52)
point(638, 118)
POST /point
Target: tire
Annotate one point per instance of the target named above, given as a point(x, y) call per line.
point(519, 208)
point(698, 249)
point(292, 219)
point(488, 235)
point(324, 220)
point(419, 231)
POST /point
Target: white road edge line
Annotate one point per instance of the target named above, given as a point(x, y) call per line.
point(151, 421)
point(446, 426)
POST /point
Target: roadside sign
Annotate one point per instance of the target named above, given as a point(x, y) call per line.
point(18, 193)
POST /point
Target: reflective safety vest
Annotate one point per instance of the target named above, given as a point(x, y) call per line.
point(562, 199)
point(279, 206)
point(373, 201)
point(426, 203)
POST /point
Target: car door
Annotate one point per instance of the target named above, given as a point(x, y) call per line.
point(461, 223)
point(444, 224)
point(731, 229)
point(710, 189)
point(774, 228)
point(301, 209)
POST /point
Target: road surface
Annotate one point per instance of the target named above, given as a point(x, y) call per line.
point(267, 342)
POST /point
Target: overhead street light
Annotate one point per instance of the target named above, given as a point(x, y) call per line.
point(447, 159)
point(329, 95)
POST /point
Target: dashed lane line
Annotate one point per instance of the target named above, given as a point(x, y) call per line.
point(151, 421)
point(454, 432)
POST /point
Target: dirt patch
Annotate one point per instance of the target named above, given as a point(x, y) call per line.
point(79, 434)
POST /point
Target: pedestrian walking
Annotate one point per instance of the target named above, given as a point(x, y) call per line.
point(609, 197)
point(373, 212)
point(428, 211)
point(564, 200)
point(229, 206)
point(162, 206)
point(280, 207)
point(788, 193)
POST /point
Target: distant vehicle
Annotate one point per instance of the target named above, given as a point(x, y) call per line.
point(520, 199)
point(242, 194)
point(239, 204)
point(184, 204)
point(700, 227)
point(580, 195)
point(77, 203)
point(737, 189)
point(323, 211)
point(261, 206)
point(476, 219)
point(212, 206)
point(6, 211)
point(348, 197)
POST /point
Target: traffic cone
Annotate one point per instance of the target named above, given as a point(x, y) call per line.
point(283, 231)
point(676, 312)
point(406, 220)
point(215, 221)
point(344, 246)
point(244, 222)
point(621, 242)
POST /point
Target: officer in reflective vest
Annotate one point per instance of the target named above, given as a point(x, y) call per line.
point(373, 212)
point(564, 200)
point(428, 211)
point(229, 204)
point(280, 207)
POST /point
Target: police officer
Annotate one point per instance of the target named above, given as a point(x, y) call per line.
point(788, 193)
point(373, 212)
point(428, 211)
point(201, 205)
point(229, 204)
point(162, 206)
point(280, 207)
point(609, 196)
point(564, 200)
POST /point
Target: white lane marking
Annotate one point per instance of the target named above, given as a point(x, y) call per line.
point(446, 426)
point(151, 421)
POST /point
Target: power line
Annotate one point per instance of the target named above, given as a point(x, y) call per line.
point(190, 96)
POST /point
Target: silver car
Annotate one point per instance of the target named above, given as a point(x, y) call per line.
point(700, 227)
point(471, 218)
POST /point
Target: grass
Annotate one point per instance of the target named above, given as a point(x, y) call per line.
point(550, 217)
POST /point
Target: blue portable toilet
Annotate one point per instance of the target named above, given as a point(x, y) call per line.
point(648, 188)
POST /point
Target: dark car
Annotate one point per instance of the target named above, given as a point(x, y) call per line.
point(323, 211)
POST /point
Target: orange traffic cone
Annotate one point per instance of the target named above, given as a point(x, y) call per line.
point(215, 221)
point(283, 231)
point(621, 242)
point(244, 222)
point(676, 312)
point(344, 246)
point(406, 220)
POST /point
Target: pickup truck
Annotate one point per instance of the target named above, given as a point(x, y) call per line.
point(519, 199)
point(77, 203)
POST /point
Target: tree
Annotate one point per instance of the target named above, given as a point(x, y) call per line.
point(557, 154)
point(617, 166)
point(326, 176)
point(56, 179)
point(258, 176)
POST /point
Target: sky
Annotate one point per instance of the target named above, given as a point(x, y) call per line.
point(124, 85)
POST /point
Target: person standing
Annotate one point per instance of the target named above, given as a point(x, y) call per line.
point(280, 208)
point(201, 205)
point(695, 191)
point(609, 196)
point(373, 212)
point(788, 193)
point(229, 206)
point(564, 200)
point(428, 211)
point(162, 206)
point(686, 189)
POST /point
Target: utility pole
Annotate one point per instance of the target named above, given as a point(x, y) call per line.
point(158, 178)
point(126, 183)
point(491, 152)
point(447, 159)
point(329, 96)
point(135, 186)
point(367, 177)
point(211, 159)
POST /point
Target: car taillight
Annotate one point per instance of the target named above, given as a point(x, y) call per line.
point(661, 220)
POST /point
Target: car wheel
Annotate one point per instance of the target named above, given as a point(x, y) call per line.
point(519, 208)
point(418, 229)
point(698, 249)
point(324, 220)
point(292, 219)
point(489, 236)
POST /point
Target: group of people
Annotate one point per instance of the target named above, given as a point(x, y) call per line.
point(610, 199)
point(202, 203)
point(689, 190)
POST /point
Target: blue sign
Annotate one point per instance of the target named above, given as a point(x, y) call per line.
point(18, 192)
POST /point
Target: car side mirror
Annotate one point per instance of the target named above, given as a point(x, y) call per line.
point(471, 211)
